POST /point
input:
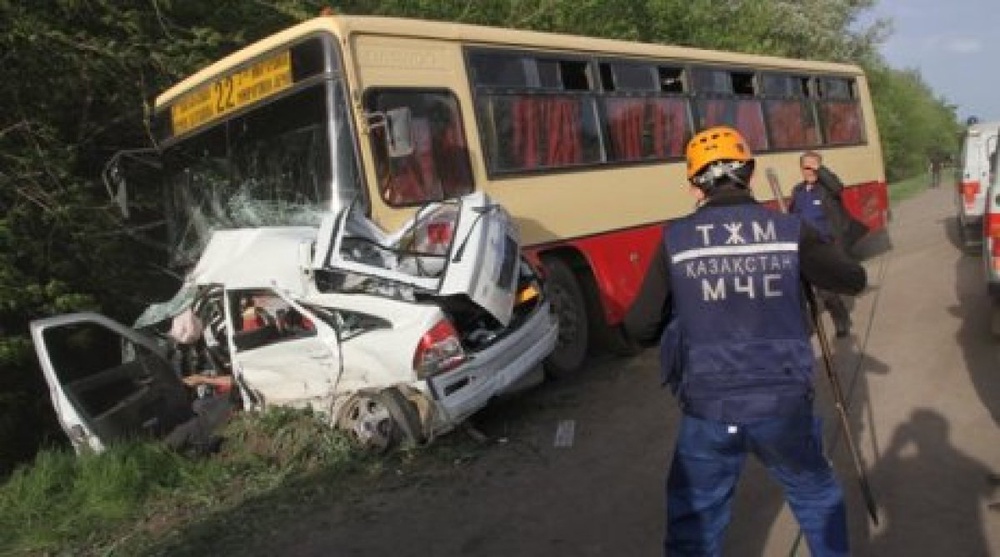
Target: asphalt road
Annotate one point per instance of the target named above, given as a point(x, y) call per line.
point(921, 373)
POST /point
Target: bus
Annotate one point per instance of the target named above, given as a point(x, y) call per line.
point(581, 139)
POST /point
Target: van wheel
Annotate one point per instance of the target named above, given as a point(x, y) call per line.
point(380, 421)
point(966, 240)
point(571, 312)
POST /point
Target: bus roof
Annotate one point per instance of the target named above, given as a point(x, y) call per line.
point(344, 26)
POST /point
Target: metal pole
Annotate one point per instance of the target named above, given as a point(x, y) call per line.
point(824, 344)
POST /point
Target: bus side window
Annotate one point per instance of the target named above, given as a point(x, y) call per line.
point(841, 122)
point(645, 128)
point(745, 115)
point(791, 124)
point(439, 166)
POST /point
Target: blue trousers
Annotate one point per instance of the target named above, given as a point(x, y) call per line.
point(707, 462)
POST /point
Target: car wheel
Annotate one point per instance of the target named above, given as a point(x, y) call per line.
point(380, 421)
point(568, 302)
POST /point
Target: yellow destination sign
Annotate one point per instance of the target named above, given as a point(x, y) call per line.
point(232, 92)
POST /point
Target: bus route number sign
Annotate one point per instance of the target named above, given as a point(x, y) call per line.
point(232, 92)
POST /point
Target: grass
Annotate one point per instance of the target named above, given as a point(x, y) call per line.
point(136, 496)
point(909, 187)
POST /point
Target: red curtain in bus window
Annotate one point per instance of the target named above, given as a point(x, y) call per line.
point(453, 160)
point(526, 138)
point(716, 113)
point(841, 122)
point(669, 118)
point(547, 132)
point(791, 123)
point(564, 133)
point(414, 178)
point(788, 131)
point(625, 120)
point(750, 121)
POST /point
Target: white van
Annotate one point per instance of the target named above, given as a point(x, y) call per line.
point(991, 245)
point(972, 178)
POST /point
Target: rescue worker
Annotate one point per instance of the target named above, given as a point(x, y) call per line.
point(816, 199)
point(724, 296)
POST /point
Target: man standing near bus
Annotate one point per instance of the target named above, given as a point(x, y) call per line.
point(816, 199)
point(724, 292)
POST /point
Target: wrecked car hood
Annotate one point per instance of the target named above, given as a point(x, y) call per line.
point(254, 257)
point(468, 247)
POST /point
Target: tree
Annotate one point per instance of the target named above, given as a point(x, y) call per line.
point(78, 75)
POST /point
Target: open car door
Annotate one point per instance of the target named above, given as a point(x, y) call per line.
point(107, 382)
point(467, 247)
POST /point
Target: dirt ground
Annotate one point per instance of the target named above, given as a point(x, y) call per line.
point(576, 467)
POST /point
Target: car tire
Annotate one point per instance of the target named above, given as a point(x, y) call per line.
point(567, 300)
point(380, 421)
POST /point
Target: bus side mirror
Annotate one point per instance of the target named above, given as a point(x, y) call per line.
point(398, 130)
point(114, 182)
point(121, 166)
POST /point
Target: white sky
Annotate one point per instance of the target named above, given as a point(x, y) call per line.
point(954, 44)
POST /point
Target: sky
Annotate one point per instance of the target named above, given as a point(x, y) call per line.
point(955, 44)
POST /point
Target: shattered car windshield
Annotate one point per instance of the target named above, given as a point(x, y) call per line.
point(269, 167)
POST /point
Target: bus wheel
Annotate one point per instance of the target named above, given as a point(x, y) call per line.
point(380, 421)
point(615, 341)
point(570, 307)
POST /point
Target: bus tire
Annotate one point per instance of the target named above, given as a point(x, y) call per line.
point(610, 338)
point(615, 341)
point(570, 307)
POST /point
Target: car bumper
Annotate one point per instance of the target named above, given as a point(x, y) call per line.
point(490, 372)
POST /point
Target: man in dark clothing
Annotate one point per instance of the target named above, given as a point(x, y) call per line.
point(724, 296)
point(817, 200)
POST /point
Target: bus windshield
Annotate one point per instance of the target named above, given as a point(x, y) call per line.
point(286, 163)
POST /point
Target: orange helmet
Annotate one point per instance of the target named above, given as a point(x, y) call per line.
point(717, 144)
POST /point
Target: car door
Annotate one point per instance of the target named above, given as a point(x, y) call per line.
point(479, 261)
point(107, 382)
point(283, 354)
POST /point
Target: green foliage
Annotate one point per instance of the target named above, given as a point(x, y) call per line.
point(914, 124)
point(78, 75)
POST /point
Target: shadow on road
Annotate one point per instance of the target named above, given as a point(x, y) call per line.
point(761, 501)
point(940, 482)
point(975, 311)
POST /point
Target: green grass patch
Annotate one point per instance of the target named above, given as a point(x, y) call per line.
point(905, 189)
point(134, 496)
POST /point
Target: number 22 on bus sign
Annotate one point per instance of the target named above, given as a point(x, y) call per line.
point(228, 93)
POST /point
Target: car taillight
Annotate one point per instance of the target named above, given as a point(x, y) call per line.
point(969, 191)
point(438, 351)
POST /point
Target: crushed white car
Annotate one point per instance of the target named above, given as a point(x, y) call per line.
point(394, 337)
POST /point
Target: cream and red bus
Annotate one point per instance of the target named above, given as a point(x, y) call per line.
point(581, 139)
